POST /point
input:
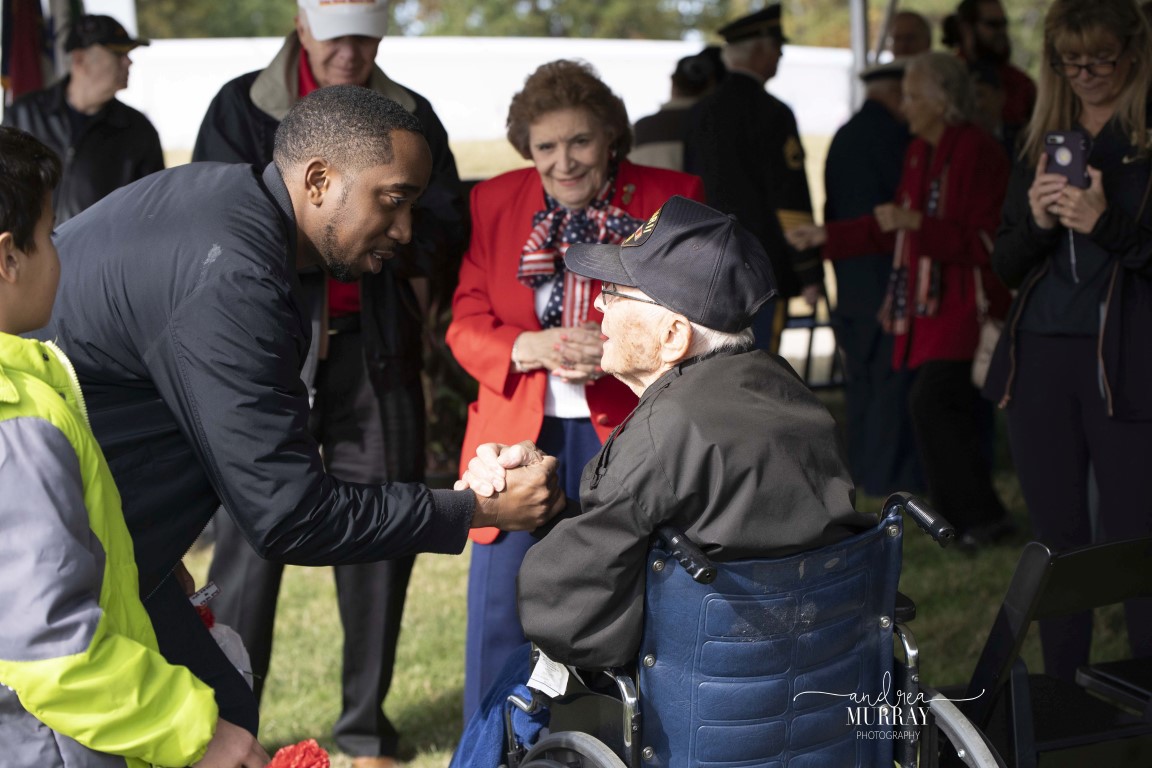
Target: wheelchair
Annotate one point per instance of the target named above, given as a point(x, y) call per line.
point(772, 662)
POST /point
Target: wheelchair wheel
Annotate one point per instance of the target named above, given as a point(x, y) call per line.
point(571, 749)
point(960, 743)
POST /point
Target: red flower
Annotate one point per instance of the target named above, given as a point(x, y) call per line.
point(306, 754)
point(206, 615)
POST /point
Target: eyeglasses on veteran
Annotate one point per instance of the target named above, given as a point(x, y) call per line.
point(609, 289)
point(1072, 70)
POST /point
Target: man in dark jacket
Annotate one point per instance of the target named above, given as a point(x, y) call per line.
point(744, 143)
point(182, 311)
point(726, 443)
point(103, 143)
point(368, 409)
point(861, 172)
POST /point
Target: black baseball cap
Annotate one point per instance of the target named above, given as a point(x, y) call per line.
point(100, 30)
point(691, 259)
point(763, 23)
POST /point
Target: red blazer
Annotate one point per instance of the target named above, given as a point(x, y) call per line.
point(973, 169)
point(491, 307)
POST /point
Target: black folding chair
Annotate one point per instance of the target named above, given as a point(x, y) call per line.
point(1035, 719)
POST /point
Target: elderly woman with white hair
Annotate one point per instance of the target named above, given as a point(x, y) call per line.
point(940, 229)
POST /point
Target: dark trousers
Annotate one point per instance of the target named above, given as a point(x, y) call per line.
point(950, 421)
point(493, 618)
point(348, 422)
point(880, 445)
point(1059, 428)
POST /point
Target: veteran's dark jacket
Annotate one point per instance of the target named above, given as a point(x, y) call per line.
point(734, 450)
point(118, 146)
point(180, 308)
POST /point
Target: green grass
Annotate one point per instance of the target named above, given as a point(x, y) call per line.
point(956, 595)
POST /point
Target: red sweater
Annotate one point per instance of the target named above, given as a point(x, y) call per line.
point(973, 173)
point(491, 307)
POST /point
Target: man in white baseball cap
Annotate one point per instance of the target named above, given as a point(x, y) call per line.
point(336, 18)
point(368, 409)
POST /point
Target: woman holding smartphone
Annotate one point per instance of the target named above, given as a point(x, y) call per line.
point(1074, 366)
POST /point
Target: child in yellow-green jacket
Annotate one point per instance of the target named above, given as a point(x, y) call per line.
point(82, 684)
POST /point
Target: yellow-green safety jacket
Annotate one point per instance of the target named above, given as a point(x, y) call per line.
point(81, 680)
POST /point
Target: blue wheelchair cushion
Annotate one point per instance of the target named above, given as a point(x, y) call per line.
point(738, 672)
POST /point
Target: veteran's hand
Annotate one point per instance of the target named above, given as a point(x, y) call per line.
point(1080, 209)
point(806, 236)
point(531, 497)
point(1044, 193)
point(233, 747)
point(486, 470)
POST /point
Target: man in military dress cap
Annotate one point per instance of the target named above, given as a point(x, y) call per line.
point(745, 145)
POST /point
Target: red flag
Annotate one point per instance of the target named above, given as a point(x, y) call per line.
point(22, 64)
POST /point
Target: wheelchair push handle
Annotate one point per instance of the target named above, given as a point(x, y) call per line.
point(929, 521)
point(690, 556)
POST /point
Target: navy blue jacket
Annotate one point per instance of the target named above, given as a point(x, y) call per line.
point(180, 307)
point(862, 171)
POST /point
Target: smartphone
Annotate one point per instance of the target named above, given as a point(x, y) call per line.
point(1068, 156)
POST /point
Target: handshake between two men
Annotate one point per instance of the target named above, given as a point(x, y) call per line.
point(516, 486)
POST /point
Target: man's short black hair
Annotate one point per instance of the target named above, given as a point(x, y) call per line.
point(349, 126)
point(29, 171)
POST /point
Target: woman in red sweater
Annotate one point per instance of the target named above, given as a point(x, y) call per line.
point(940, 230)
point(526, 329)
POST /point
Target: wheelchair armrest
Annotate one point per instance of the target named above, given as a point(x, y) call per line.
point(690, 556)
point(905, 609)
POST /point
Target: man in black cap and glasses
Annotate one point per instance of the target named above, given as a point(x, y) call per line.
point(744, 143)
point(726, 443)
point(103, 143)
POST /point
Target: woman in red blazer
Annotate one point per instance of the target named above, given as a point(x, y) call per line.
point(940, 230)
point(526, 329)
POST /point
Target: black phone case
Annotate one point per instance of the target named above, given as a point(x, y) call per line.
point(1068, 156)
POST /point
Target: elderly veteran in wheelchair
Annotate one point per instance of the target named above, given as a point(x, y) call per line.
point(727, 444)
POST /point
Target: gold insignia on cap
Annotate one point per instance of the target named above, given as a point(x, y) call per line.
point(793, 154)
point(642, 232)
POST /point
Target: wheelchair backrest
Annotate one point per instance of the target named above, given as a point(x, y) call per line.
point(778, 662)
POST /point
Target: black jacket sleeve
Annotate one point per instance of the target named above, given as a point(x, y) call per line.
point(225, 366)
point(1021, 245)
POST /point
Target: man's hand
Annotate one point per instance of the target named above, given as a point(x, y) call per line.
point(233, 747)
point(531, 497)
point(486, 470)
point(184, 579)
